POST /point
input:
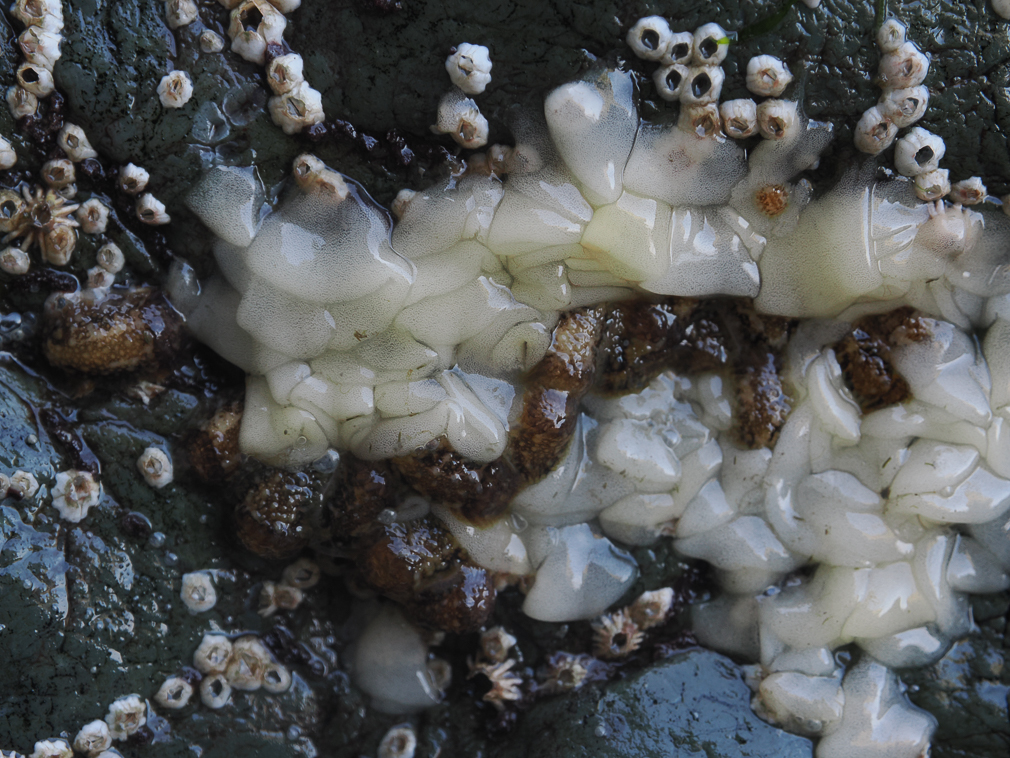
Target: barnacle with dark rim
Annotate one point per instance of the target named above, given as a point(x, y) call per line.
point(44, 219)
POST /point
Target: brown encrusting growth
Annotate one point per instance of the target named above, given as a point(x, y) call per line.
point(213, 449)
point(864, 355)
point(772, 200)
point(98, 332)
point(762, 403)
point(274, 519)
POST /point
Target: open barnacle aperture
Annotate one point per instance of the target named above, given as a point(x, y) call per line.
point(42, 219)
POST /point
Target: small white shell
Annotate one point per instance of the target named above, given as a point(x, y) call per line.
point(74, 142)
point(7, 155)
point(890, 35)
point(151, 210)
point(312, 175)
point(904, 106)
point(652, 608)
point(904, 67)
point(15, 261)
point(93, 216)
point(703, 85)
point(399, 742)
point(968, 191)
point(94, 738)
point(710, 45)
point(211, 657)
point(99, 278)
point(215, 692)
point(302, 106)
point(40, 47)
point(211, 42)
point(302, 574)
point(681, 49)
point(52, 749)
point(874, 132)
point(59, 244)
point(670, 81)
point(74, 493)
point(58, 173)
point(110, 257)
point(469, 68)
point(156, 467)
point(739, 118)
point(174, 693)
point(133, 179)
point(180, 13)
point(767, 76)
point(460, 118)
point(650, 38)
point(778, 119)
point(36, 79)
point(175, 89)
point(249, 662)
point(703, 121)
point(251, 42)
point(932, 185)
point(276, 678)
point(126, 715)
point(47, 14)
point(285, 72)
point(918, 152)
point(24, 484)
point(21, 102)
point(198, 591)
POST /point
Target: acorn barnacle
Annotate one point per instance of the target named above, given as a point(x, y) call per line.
point(650, 38)
point(44, 219)
point(772, 200)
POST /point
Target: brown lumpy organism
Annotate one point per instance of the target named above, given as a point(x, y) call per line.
point(214, 449)
point(106, 332)
point(275, 518)
point(864, 355)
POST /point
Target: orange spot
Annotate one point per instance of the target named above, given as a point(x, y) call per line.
point(772, 200)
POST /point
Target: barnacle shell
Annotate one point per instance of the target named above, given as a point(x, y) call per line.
point(650, 38)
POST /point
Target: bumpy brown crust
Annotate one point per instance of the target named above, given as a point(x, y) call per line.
point(864, 355)
point(124, 330)
point(214, 450)
point(273, 519)
point(762, 404)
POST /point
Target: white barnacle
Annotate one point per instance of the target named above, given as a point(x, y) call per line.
point(156, 467)
point(23, 484)
point(616, 635)
point(93, 216)
point(459, 117)
point(21, 102)
point(94, 738)
point(652, 608)
point(213, 653)
point(151, 210)
point(133, 179)
point(703, 85)
point(40, 47)
point(968, 191)
point(47, 14)
point(7, 155)
point(58, 173)
point(495, 644)
point(175, 89)
point(99, 278)
point(778, 119)
point(52, 749)
point(703, 121)
point(767, 76)
point(670, 81)
point(650, 38)
point(198, 591)
point(303, 574)
point(294, 110)
point(58, 245)
point(274, 596)
point(890, 35)
point(918, 152)
point(74, 142)
point(249, 662)
point(739, 118)
point(932, 185)
point(276, 678)
point(36, 79)
point(254, 24)
point(874, 132)
point(312, 175)
point(285, 72)
point(74, 493)
point(681, 49)
point(711, 43)
point(399, 742)
point(904, 67)
point(399, 205)
point(469, 67)
point(126, 715)
point(286, 6)
point(215, 692)
point(180, 13)
point(110, 257)
point(904, 106)
point(15, 261)
point(211, 42)
point(174, 693)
